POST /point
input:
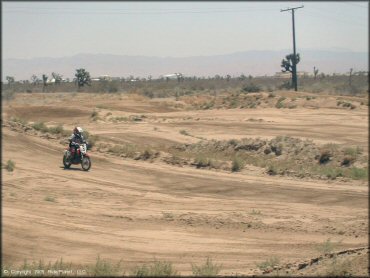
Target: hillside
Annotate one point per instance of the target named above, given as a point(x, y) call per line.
point(249, 62)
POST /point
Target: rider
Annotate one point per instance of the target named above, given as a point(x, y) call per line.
point(76, 139)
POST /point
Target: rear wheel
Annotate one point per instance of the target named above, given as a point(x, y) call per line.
point(86, 163)
point(66, 162)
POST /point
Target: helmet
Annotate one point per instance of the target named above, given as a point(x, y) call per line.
point(77, 130)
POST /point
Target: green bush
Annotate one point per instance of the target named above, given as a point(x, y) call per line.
point(40, 126)
point(56, 129)
point(105, 268)
point(279, 104)
point(272, 170)
point(358, 173)
point(252, 88)
point(326, 247)
point(352, 151)
point(10, 165)
point(207, 269)
point(18, 120)
point(268, 264)
point(202, 161)
point(332, 173)
point(158, 268)
point(237, 164)
point(49, 199)
point(184, 132)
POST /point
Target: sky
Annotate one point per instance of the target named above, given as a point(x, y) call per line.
point(178, 29)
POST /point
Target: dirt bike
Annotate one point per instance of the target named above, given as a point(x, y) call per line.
point(81, 156)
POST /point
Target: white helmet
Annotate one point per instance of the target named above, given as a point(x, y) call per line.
point(78, 130)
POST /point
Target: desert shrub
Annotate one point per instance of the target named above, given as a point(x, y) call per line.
point(40, 265)
point(56, 129)
point(279, 104)
point(94, 114)
point(119, 119)
point(102, 106)
point(202, 161)
point(339, 269)
point(358, 173)
point(268, 264)
point(40, 126)
point(158, 268)
point(148, 94)
point(207, 269)
point(18, 120)
point(208, 105)
point(233, 142)
point(353, 151)
point(326, 247)
point(104, 268)
point(184, 132)
point(90, 138)
point(234, 103)
point(148, 153)
point(253, 105)
point(92, 141)
point(9, 166)
point(317, 88)
point(272, 170)
point(128, 150)
point(285, 86)
point(7, 95)
point(113, 87)
point(237, 164)
point(281, 99)
point(49, 199)
point(252, 88)
point(332, 173)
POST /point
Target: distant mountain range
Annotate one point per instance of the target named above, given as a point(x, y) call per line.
point(249, 63)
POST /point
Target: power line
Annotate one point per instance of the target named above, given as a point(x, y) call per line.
point(343, 18)
point(294, 60)
point(321, 16)
point(355, 5)
point(115, 11)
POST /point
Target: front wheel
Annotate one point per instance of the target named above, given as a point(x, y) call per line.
point(86, 163)
point(66, 161)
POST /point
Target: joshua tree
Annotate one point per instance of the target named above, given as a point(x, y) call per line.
point(82, 77)
point(315, 71)
point(34, 79)
point(350, 76)
point(289, 64)
point(10, 80)
point(57, 77)
point(44, 80)
point(242, 77)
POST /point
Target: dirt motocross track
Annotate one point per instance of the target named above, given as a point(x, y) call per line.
point(139, 211)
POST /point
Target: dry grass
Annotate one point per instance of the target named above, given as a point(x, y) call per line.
point(207, 269)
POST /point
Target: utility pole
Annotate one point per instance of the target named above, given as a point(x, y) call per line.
point(294, 66)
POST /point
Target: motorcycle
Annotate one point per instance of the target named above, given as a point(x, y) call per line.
point(81, 157)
